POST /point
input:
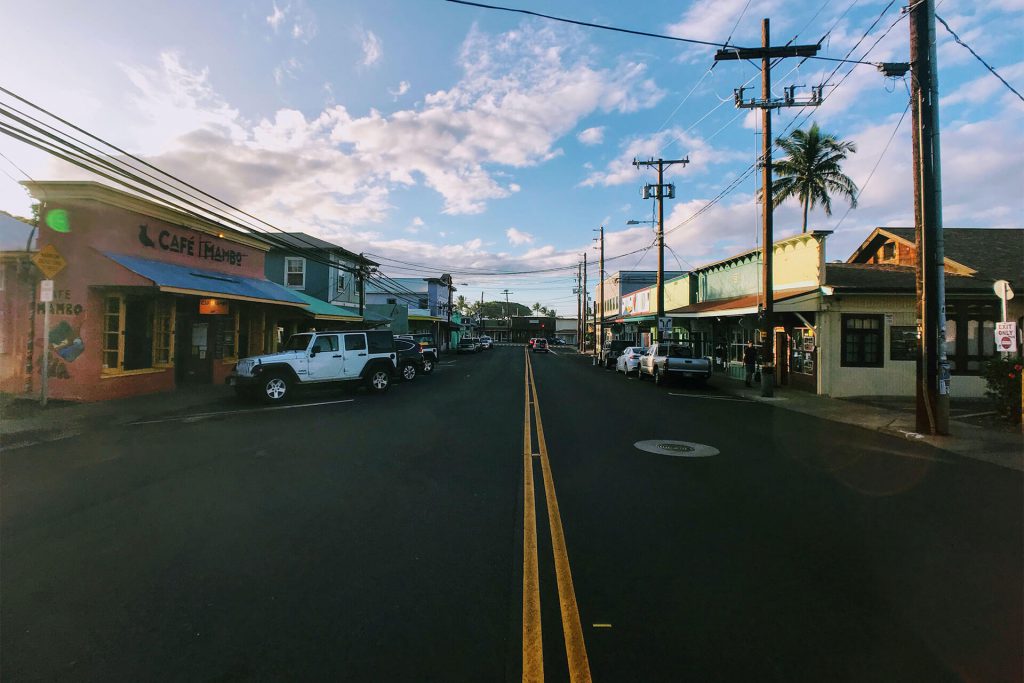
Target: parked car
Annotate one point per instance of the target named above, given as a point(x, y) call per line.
point(410, 359)
point(611, 351)
point(467, 345)
point(629, 360)
point(540, 346)
point(673, 359)
point(556, 341)
point(529, 344)
point(429, 346)
point(486, 343)
point(318, 358)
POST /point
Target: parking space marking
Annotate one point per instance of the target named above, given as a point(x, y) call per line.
point(203, 416)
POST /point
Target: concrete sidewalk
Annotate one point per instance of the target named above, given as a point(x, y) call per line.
point(24, 422)
point(998, 444)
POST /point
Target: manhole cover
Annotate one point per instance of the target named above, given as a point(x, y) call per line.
point(681, 449)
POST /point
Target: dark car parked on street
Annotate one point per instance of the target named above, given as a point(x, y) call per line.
point(611, 351)
point(410, 359)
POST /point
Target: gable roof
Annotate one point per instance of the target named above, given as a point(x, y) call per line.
point(993, 253)
point(879, 277)
point(302, 241)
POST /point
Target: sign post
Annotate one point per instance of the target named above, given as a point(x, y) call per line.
point(45, 297)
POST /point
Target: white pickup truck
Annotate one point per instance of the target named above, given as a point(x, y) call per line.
point(673, 359)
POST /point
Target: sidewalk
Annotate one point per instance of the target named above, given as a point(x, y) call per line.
point(895, 415)
point(24, 422)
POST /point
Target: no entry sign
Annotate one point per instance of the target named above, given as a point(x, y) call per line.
point(1006, 337)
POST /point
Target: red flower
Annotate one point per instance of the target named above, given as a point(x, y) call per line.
point(1017, 367)
point(1013, 376)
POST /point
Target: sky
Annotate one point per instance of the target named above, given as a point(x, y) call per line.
point(473, 141)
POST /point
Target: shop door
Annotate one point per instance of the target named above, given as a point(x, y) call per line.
point(781, 358)
point(193, 346)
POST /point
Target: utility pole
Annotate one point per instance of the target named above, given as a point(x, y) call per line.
point(766, 104)
point(579, 307)
point(508, 316)
point(661, 191)
point(932, 391)
point(599, 316)
point(586, 296)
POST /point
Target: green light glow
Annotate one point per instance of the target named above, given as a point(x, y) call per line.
point(58, 220)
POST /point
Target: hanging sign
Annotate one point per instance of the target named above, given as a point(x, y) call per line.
point(213, 307)
point(1006, 337)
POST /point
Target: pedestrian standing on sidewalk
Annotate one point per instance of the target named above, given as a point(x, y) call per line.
point(750, 361)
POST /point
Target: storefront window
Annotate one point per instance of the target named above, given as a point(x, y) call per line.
point(970, 336)
point(862, 341)
point(113, 313)
point(802, 351)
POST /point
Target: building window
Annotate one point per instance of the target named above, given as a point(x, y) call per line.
point(295, 272)
point(392, 301)
point(862, 341)
point(163, 333)
point(970, 336)
point(342, 283)
point(888, 251)
point(113, 337)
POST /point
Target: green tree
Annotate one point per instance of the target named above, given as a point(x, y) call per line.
point(812, 171)
point(460, 304)
point(536, 307)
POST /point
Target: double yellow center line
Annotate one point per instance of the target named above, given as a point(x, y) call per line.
point(533, 650)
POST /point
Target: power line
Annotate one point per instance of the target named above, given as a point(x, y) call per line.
point(977, 56)
point(616, 29)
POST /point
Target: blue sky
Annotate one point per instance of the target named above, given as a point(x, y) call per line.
point(458, 137)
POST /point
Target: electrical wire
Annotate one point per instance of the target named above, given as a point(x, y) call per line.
point(978, 57)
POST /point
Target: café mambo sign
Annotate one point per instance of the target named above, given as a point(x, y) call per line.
point(203, 247)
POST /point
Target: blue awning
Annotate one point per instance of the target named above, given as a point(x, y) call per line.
point(200, 282)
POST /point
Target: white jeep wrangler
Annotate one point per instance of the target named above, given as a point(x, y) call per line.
point(309, 358)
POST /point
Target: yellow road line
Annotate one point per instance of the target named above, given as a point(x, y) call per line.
point(575, 648)
point(533, 647)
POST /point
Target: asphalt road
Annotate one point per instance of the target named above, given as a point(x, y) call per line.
point(381, 538)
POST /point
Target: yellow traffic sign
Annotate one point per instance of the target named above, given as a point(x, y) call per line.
point(49, 260)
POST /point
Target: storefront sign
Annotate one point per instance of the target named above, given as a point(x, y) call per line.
point(1006, 337)
point(49, 261)
point(213, 307)
point(636, 303)
point(189, 245)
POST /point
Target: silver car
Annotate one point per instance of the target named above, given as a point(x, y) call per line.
point(629, 361)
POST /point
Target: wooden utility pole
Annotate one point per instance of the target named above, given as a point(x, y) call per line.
point(661, 191)
point(599, 305)
point(585, 302)
point(932, 391)
point(766, 104)
point(508, 313)
point(579, 308)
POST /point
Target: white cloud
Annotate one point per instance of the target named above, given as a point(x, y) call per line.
point(276, 17)
point(288, 69)
point(403, 87)
point(372, 50)
point(592, 136)
point(517, 237)
point(983, 89)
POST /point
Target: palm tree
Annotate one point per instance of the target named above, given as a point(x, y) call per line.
point(536, 307)
point(812, 172)
point(460, 304)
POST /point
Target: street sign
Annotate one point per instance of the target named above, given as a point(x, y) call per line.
point(664, 324)
point(49, 261)
point(1003, 291)
point(1006, 337)
point(45, 291)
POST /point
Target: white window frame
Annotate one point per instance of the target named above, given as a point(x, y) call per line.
point(288, 260)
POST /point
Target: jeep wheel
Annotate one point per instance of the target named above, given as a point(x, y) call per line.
point(428, 366)
point(409, 372)
point(378, 381)
point(275, 388)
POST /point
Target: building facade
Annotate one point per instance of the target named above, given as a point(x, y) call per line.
point(149, 298)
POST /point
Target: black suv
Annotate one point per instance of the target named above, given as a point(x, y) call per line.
point(410, 359)
point(610, 351)
point(429, 346)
